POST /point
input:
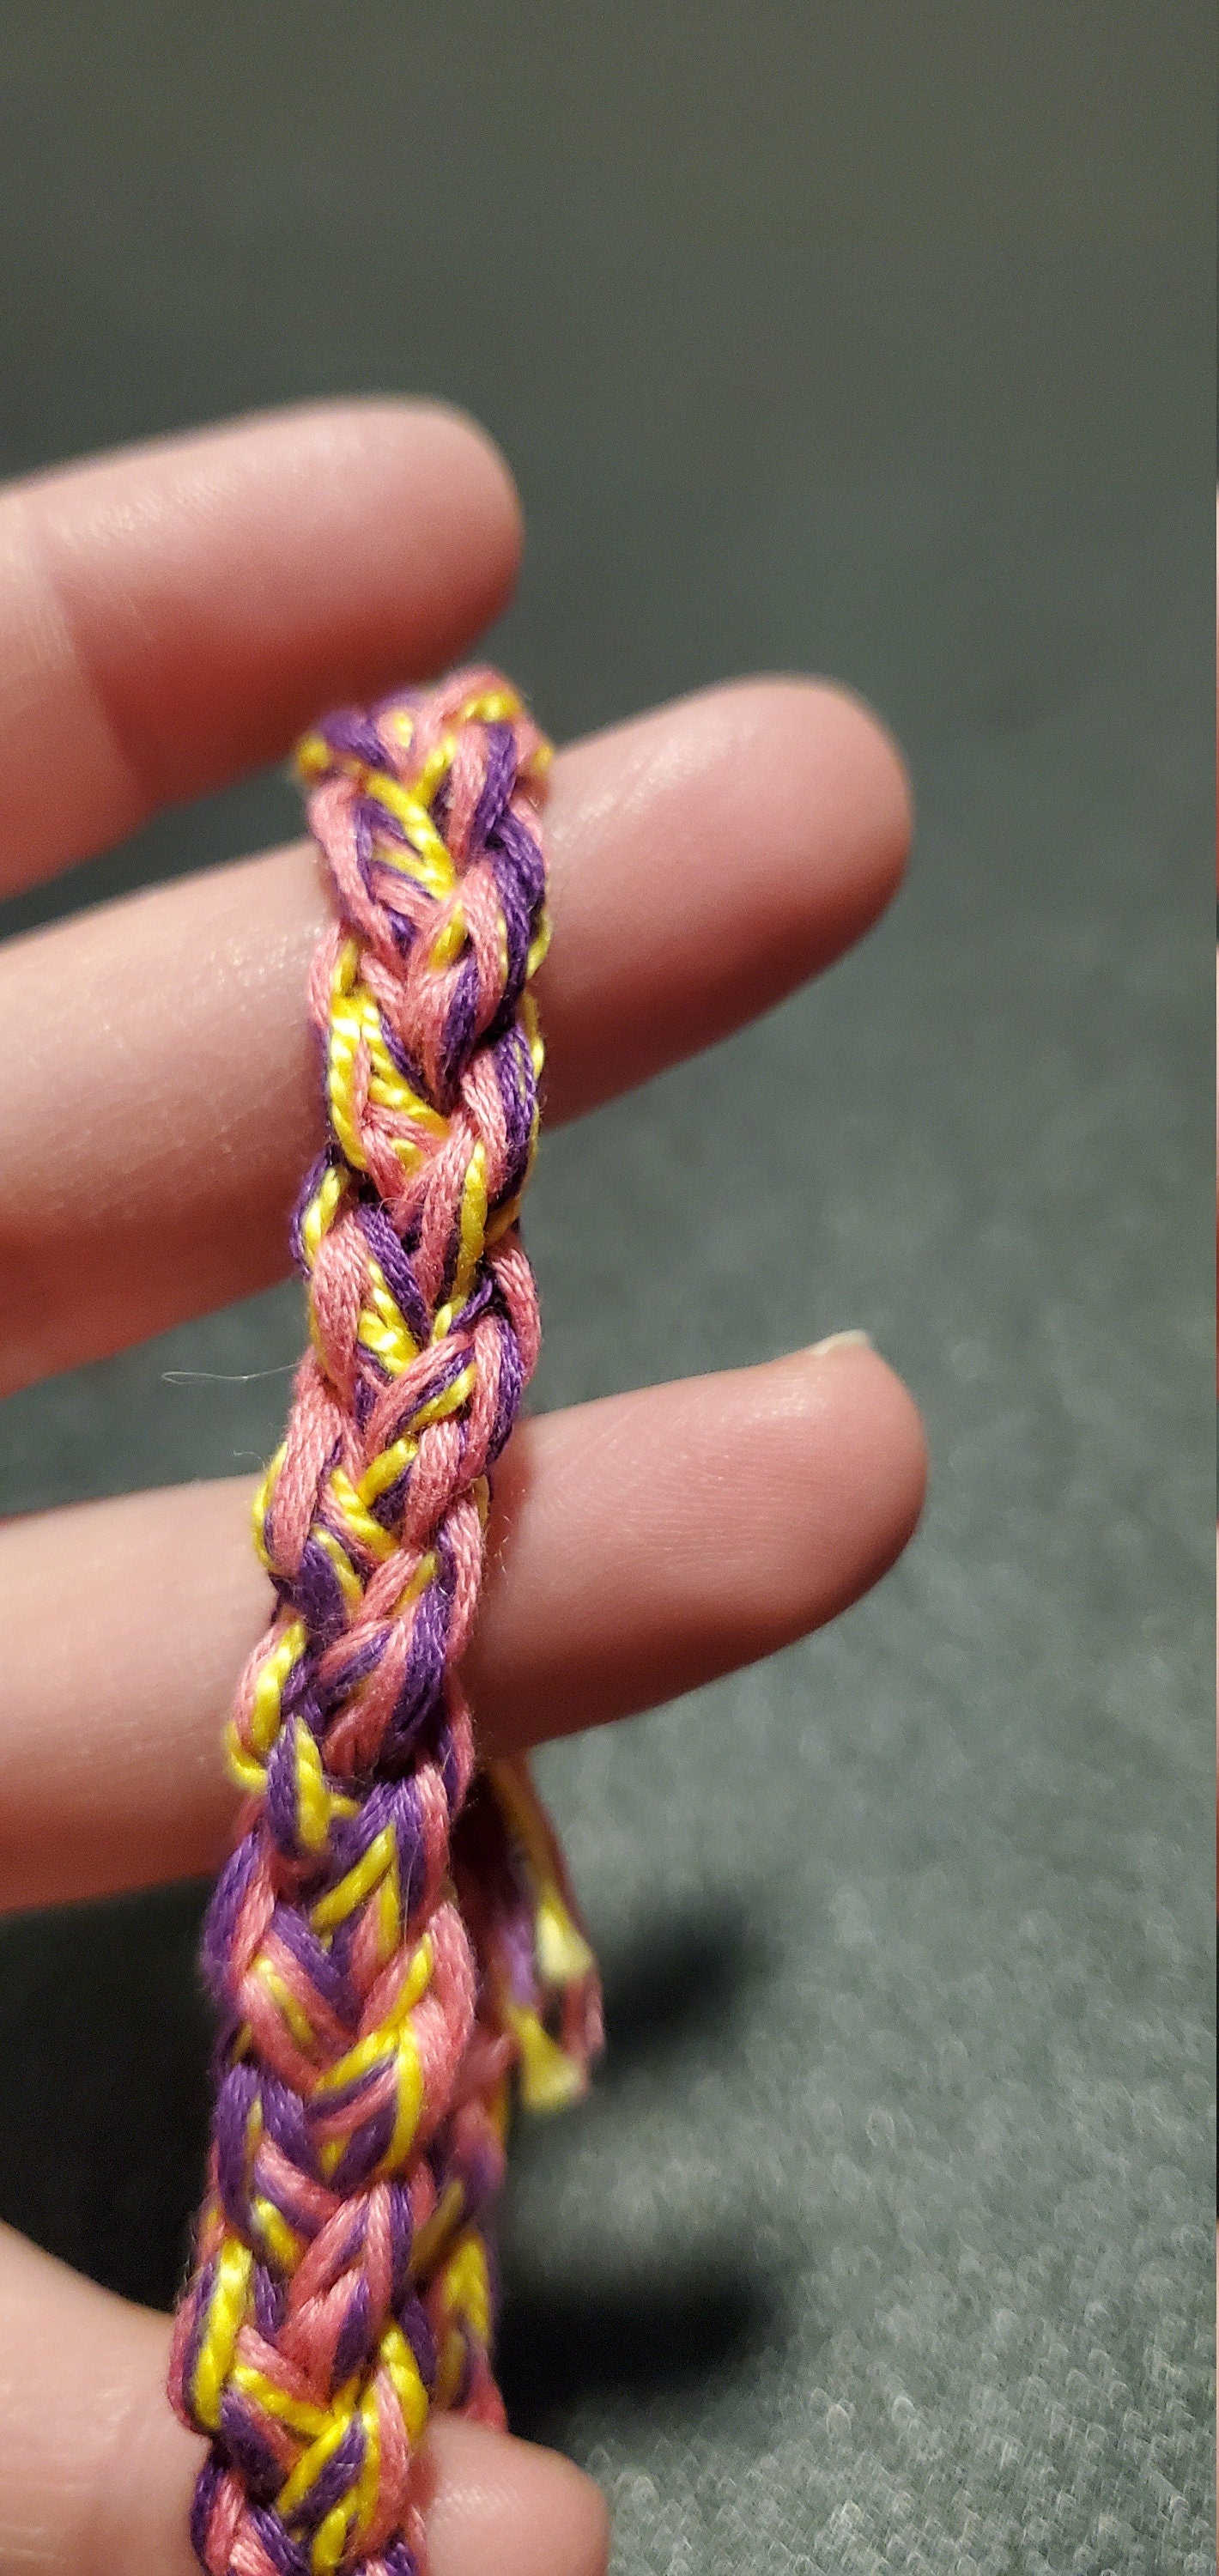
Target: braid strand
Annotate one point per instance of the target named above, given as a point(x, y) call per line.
point(393, 1945)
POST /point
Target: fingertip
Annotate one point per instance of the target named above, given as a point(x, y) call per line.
point(178, 612)
point(510, 2505)
point(443, 449)
point(890, 789)
point(881, 1440)
point(841, 760)
point(804, 1474)
point(706, 860)
point(490, 480)
point(407, 525)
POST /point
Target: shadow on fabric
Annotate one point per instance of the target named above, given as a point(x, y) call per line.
point(104, 2090)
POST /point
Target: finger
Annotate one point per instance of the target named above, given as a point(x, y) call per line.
point(158, 1089)
point(704, 862)
point(174, 615)
point(96, 2474)
point(638, 1547)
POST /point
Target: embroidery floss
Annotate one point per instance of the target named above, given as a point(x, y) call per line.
point(393, 1942)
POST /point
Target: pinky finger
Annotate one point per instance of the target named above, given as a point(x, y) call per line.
point(96, 2475)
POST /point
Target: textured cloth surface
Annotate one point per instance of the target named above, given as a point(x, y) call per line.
point(884, 2242)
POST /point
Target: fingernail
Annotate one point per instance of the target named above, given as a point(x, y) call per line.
point(854, 1340)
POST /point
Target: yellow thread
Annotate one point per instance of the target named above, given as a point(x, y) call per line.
point(330, 2539)
point(346, 969)
point(266, 1704)
point(394, 1350)
point(382, 1327)
point(492, 706)
point(313, 756)
point(495, 706)
point(450, 1401)
point(389, 1917)
point(435, 768)
point(520, 1807)
point(286, 2004)
point(431, 2236)
point(385, 1470)
point(378, 2043)
point(280, 2240)
point(409, 2075)
point(449, 2367)
point(425, 1573)
point(296, 2412)
point(390, 1091)
point(473, 1222)
point(313, 2461)
point(365, 2490)
point(539, 945)
point(426, 857)
point(405, 2381)
point(349, 1582)
point(351, 1891)
point(503, 1218)
point(243, 1769)
point(400, 723)
point(414, 1985)
point(383, 1095)
point(563, 1955)
point(226, 2315)
point(320, 1213)
point(313, 1806)
point(466, 2288)
point(389, 1088)
point(533, 1036)
point(368, 1533)
point(549, 2078)
point(262, 1502)
point(449, 942)
point(340, 1084)
point(427, 860)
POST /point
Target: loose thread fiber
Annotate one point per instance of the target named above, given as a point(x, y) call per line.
point(392, 1945)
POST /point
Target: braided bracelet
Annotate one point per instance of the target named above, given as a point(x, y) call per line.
point(393, 1942)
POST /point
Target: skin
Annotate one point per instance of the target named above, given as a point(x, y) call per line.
point(169, 618)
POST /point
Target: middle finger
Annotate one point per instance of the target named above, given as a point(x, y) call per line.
point(158, 1098)
point(638, 1546)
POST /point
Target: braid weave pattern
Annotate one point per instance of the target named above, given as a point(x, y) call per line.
point(392, 1942)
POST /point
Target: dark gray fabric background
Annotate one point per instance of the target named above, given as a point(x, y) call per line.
point(865, 339)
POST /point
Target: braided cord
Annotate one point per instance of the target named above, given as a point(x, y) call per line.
point(393, 1941)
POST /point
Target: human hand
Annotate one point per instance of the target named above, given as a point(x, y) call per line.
point(169, 618)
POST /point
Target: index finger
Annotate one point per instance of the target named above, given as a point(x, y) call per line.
point(95, 2473)
point(173, 615)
